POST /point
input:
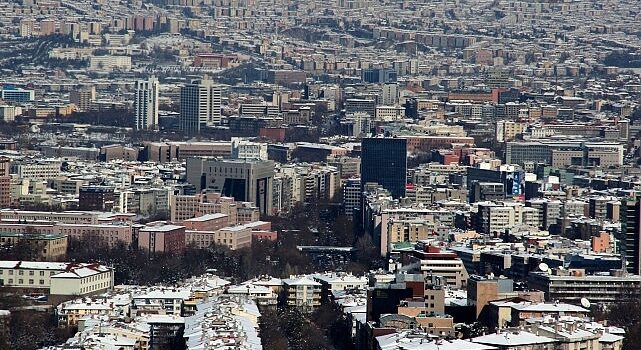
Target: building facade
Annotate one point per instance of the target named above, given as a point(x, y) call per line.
point(146, 103)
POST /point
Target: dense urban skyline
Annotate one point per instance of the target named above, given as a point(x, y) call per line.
point(345, 174)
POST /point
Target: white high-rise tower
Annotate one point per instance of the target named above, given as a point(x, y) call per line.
point(200, 105)
point(146, 104)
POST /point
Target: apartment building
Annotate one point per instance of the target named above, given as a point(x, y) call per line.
point(162, 238)
point(232, 238)
point(49, 247)
point(302, 292)
point(67, 217)
point(572, 285)
point(56, 278)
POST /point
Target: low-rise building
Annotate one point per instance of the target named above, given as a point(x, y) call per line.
point(162, 238)
point(47, 247)
point(56, 279)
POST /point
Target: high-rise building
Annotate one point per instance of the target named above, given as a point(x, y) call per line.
point(630, 239)
point(200, 105)
point(390, 94)
point(411, 108)
point(384, 161)
point(83, 97)
point(146, 103)
point(351, 196)
point(5, 182)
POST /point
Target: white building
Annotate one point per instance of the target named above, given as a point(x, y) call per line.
point(56, 278)
point(244, 149)
point(200, 105)
point(109, 63)
point(146, 103)
point(302, 292)
point(9, 113)
point(390, 94)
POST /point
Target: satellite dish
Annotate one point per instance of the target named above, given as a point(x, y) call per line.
point(585, 303)
point(544, 267)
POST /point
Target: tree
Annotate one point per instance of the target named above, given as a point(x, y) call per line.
point(290, 328)
point(627, 315)
point(30, 330)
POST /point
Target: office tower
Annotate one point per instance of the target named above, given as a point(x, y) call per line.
point(100, 198)
point(146, 104)
point(390, 94)
point(200, 105)
point(11, 93)
point(244, 180)
point(83, 97)
point(5, 182)
point(630, 239)
point(411, 108)
point(384, 161)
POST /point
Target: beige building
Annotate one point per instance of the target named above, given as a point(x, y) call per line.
point(58, 279)
point(233, 237)
point(184, 207)
point(109, 63)
point(507, 130)
point(410, 230)
point(85, 279)
point(49, 247)
point(83, 97)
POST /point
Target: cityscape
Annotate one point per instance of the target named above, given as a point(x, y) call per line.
point(320, 175)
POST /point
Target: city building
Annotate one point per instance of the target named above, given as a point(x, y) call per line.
point(243, 180)
point(56, 279)
point(302, 292)
point(162, 238)
point(146, 103)
point(200, 105)
point(384, 161)
point(99, 198)
point(631, 235)
point(83, 97)
point(15, 94)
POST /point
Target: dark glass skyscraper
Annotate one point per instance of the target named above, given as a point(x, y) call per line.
point(384, 161)
point(631, 234)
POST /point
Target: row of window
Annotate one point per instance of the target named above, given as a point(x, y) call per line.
point(31, 272)
point(94, 287)
point(21, 281)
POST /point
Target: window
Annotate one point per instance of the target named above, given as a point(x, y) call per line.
point(30, 273)
point(10, 280)
point(20, 272)
point(42, 281)
point(30, 281)
point(20, 281)
point(42, 273)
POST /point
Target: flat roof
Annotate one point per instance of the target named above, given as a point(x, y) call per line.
point(43, 236)
point(208, 217)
